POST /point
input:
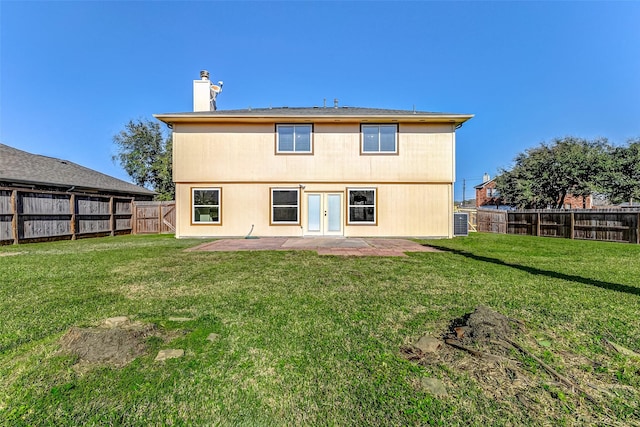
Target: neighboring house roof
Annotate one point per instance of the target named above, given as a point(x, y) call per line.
point(484, 184)
point(20, 167)
point(629, 205)
point(318, 114)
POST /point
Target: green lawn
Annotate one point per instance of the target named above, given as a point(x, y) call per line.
point(315, 340)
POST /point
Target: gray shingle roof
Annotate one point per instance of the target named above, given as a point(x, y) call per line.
point(317, 113)
point(313, 111)
point(20, 167)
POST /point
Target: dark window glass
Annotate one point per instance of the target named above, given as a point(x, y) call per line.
point(362, 206)
point(285, 205)
point(206, 205)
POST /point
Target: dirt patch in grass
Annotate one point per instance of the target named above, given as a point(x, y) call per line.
point(111, 343)
point(532, 375)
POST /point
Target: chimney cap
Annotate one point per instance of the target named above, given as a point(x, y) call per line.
point(204, 75)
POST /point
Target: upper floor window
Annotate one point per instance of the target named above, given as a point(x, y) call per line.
point(380, 139)
point(294, 139)
point(205, 205)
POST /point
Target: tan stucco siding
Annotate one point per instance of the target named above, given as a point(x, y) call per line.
point(412, 210)
point(246, 152)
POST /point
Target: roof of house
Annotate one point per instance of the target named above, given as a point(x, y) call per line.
point(20, 167)
point(316, 113)
point(484, 184)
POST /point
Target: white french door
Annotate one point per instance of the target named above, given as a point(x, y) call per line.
point(324, 214)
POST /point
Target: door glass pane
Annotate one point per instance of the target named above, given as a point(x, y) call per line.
point(314, 212)
point(333, 200)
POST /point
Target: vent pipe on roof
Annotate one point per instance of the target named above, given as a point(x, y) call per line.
point(335, 102)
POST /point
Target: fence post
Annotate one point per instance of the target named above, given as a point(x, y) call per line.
point(538, 224)
point(638, 230)
point(112, 217)
point(134, 220)
point(72, 210)
point(573, 226)
point(14, 218)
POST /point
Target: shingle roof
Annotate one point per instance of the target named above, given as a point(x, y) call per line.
point(312, 111)
point(317, 113)
point(20, 167)
point(484, 184)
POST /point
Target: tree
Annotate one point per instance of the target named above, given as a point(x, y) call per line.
point(543, 176)
point(624, 176)
point(145, 154)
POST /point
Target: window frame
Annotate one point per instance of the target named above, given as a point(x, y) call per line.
point(375, 206)
point(493, 192)
point(294, 151)
point(193, 206)
point(379, 152)
point(272, 221)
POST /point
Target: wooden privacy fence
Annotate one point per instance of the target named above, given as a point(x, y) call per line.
point(33, 215)
point(155, 217)
point(606, 225)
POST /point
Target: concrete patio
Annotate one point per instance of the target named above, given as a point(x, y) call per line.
point(352, 246)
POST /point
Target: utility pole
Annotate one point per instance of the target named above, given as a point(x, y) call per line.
point(464, 192)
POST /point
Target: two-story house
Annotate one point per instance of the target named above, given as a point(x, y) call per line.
point(320, 171)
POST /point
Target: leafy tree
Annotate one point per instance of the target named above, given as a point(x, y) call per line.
point(543, 176)
point(624, 177)
point(145, 154)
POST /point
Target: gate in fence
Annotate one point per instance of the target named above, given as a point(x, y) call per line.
point(155, 217)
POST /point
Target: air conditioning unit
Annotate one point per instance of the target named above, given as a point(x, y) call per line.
point(460, 224)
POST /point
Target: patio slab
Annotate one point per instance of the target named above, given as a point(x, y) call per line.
point(352, 246)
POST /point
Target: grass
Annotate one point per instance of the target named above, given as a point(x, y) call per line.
point(314, 340)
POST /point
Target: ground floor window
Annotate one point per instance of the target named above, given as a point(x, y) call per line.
point(285, 206)
point(362, 205)
point(205, 204)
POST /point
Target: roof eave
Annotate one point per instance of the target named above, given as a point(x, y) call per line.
point(65, 187)
point(456, 119)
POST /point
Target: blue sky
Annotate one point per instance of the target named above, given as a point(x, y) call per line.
point(73, 73)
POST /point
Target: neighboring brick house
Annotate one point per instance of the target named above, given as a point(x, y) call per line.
point(312, 171)
point(578, 202)
point(488, 196)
